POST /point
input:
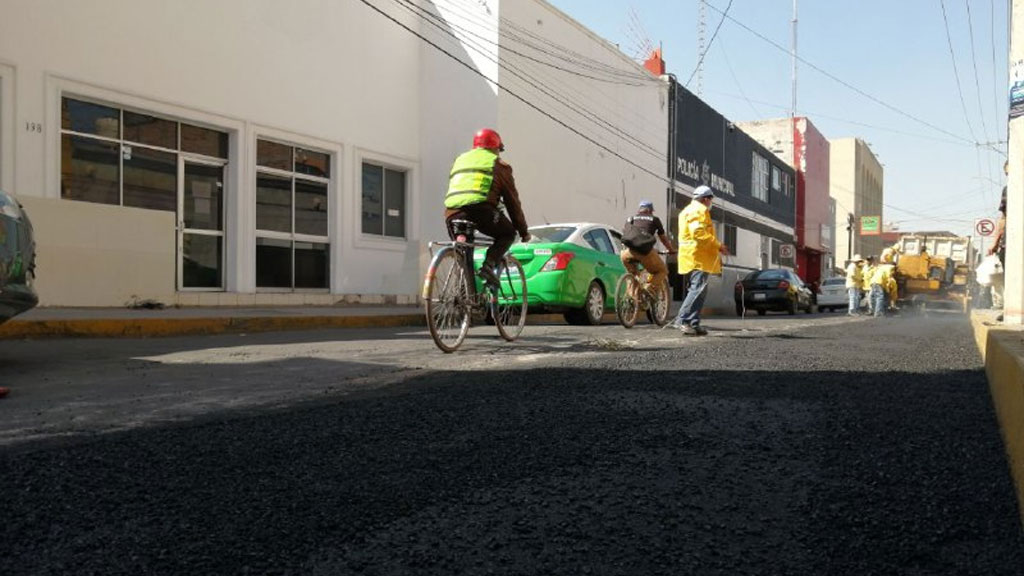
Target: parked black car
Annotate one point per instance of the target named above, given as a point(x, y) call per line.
point(773, 289)
point(17, 259)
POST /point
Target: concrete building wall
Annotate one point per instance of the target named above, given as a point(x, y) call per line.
point(336, 78)
point(618, 106)
point(856, 182)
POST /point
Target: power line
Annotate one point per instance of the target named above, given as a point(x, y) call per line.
point(437, 21)
point(844, 82)
point(974, 62)
point(515, 95)
point(956, 73)
point(735, 79)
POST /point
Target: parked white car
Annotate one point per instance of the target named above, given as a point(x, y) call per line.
point(833, 295)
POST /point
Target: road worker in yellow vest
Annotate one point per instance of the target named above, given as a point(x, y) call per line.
point(479, 183)
point(700, 255)
point(865, 275)
point(854, 283)
point(883, 286)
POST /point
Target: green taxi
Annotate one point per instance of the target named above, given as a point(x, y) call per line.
point(570, 268)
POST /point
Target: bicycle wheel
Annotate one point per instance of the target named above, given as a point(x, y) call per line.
point(626, 305)
point(657, 313)
point(508, 305)
point(447, 296)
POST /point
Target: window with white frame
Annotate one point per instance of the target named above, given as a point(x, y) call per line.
point(383, 201)
point(759, 177)
point(776, 179)
point(292, 244)
point(115, 156)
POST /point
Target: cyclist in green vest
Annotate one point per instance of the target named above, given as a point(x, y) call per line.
point(479, 184)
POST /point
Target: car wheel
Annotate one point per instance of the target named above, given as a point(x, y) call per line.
point(791, 310)
point(593, 308)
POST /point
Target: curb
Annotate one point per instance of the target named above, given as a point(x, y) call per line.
point(163, 327)
point(147, 327)
point(1002, 349)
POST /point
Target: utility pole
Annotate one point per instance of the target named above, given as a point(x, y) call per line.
point(1013, 292)
point(701, 30)
point(849, 235)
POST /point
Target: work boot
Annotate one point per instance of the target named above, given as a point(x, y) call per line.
point(689, 330)
point(700, 330)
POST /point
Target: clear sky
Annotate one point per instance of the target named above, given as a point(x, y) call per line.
point(922, 127)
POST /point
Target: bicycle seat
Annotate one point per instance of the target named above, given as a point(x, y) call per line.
point(462, 230)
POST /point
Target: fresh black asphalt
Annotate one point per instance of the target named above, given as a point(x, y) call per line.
point(867, 447)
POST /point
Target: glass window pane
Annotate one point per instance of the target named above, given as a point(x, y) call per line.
point(311, 265)
point(273, 263)
point(201, 261)
point(394, 203)
point(90, 118)
point(150, 130)
point(203, 198)
point(273, 203)
point(150, 178)
point(89, 170)
point(273, 155)
point(310, 208)
point(204, 141)
point(373, 196)
point(312, 163)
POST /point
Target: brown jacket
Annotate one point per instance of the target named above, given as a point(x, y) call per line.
point(503, 190)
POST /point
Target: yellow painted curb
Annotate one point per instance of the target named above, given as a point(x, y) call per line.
point(1003, 352)
point(145, 327)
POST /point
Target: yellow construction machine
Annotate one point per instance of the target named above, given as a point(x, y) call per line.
point(933, 270)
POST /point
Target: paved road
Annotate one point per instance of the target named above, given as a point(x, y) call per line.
point(805, 445)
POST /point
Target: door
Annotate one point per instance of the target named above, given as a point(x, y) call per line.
point(201, 225)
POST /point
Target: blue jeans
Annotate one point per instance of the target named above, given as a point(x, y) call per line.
point(854, 300)
point(877, 300)
point(689, 312)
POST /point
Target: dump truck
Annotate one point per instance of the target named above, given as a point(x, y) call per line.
point(934, 270)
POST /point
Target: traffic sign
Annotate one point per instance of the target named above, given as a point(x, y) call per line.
point(786, 251)
point(984, 226)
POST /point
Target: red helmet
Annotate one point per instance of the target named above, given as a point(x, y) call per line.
point(487, 138)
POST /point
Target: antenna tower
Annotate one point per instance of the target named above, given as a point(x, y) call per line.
point(701, 31)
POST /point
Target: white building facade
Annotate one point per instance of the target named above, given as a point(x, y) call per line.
point(254, 152)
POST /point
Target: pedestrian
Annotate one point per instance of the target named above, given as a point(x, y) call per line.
point(700, 255)
point(854, 280)
point(638, 236)
point(999, 249)
point(881, 288)
point(866, 273)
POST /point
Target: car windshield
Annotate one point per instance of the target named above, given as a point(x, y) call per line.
point(769, 275)
point(551, 233)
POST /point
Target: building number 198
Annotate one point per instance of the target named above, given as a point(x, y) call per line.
point(34, 127)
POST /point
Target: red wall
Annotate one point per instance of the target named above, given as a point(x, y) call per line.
point(811, 159)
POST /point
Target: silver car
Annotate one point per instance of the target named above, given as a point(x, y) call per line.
point(833, 295)
point(17, 259)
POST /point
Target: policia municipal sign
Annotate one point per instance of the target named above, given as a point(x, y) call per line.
point(870, 225)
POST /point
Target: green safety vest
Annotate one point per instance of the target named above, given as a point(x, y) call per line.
point(471, 178)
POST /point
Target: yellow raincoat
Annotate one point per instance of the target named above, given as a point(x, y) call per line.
point(698, 245)
point(866, 274)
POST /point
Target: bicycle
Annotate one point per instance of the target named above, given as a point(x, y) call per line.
point(452, 295)
point(633, 293)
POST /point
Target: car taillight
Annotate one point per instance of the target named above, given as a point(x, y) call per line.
point(559, 261)
point(783, 285)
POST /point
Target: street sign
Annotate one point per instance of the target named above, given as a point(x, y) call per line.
point(786, 251)
point(984, 226)
point(870, 225)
